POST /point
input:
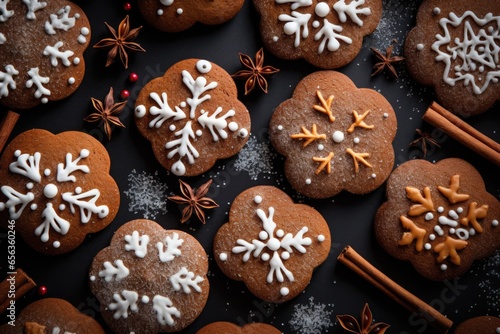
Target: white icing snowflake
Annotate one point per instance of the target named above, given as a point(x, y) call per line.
point(28, 166)
point(277, 243)
point(474, 52)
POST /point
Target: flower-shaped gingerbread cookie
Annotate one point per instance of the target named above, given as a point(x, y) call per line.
point(326, 33)
point(179, 15)
point(455, 48)
point(334, 136)
point(271, 243)
point(56, 189)
point(150, 280)
point(439, 217)
point(41, 51)
point(222, 327)
point(192, 117)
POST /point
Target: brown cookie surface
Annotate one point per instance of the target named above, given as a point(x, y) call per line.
point(271, 243)
point(41, 51)
point(150, 280)
point(52, 315)
point(328, 34)
point(439, 217)
point(179, 15)
point(479, 325)
point(334, 136)
point(192, 117)
point(453, 48)
point(56, 189)
point(222, 327)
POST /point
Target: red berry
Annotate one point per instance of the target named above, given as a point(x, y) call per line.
point(124, 94)
point(127, 6)
point(42, 290)
point(133, 77)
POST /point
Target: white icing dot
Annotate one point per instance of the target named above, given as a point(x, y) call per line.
point(232, 126)
point(84, 31)
point(356, 140)
point(453, 214)
point(280, 233)
point(56, 244)
point(315, 24)
point(180, 11)
point(308, 181)
point(160, 12)
point(451, 230)
point(374, 175)
point(273, 244)
point(199, 132)
point(494, 222)
point(257, 199)
point(77, 15)
point(321, 147)
point(420, 46)
point(443, 267)
point(275, 38)
point(71, 80)
point(84, 153)
point(178, 168)
point(76, 60)
point(78, 190)
point(50, 190)
point(285, 255)
point(438, 230)
point(17, 153)
point(29, 185)
point(140, 111)
point(223, 256)
point(145, 299)
point(322, 9)
point(440, 209)
point(460, 209)
point(285, 291)
point(172, 127)
point(321, 238)
point(92, 278)
point(432, 237)
point(280, 127)
point(243, 133)
point(265, 257)
point(44, 100)
point(472, 231)
point(62, 207)
point(81, 39)
point(46, 172)
point(427, 246)
point(203, 66)
point(385, 115)
point(436, 11)
point(429, 216)
point(338, 136)
point(263, 235)
point(33, 207)
point(183, 104)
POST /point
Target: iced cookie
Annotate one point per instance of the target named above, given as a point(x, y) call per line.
point(334, 136)
point(150, 280)
point(479, 325)
point(52, 315)
point(179, 15)
point(44, 62)
point(271, 243)
point(192, 117)
point(56, 189)
point(439, 217)
point(454, 48)
point(222, 327)
point(328, 34)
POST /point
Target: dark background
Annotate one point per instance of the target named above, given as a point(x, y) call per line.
point(350, 217)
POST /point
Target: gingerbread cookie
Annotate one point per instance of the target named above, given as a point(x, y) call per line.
point(479, 325)
point(222, 327)
point(52, 315)
point(150, 280)
point(271, 243)
point(327, 33)
point(192, 117)
point(334, 136)
point(439, 217)
point(454, 48)
point(44, 62)
point(179, 15)
point(56, 189)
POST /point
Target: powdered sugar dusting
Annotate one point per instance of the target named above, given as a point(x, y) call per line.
point(312, 318)
point(489, 283)
point(146, 194)
point(255, 158)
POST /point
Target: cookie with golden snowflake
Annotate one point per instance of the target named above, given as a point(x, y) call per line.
point(326, 33)
point(334, 136)
point(439, 217)
point(179, 15)
point(45, 62)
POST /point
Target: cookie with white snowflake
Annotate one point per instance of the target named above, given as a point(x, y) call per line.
point(44, 62)
point(192, 117)
point(150, 280)
point(271, 243)
point(179, 15)
point(56, 189)
point(439, 217)
point(222, 327)
point(52, 315)
point(334, 136)
point(455, 48)
point(326, 33)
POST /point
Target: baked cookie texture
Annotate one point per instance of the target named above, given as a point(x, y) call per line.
point(179, 15)
point(41, 51)
point(192, 117)
point(334, 136)
point(327, 34)
point(439, 217)
point(58, 189)
point(479, 325)
point(271, 244)
point(222, 327)
point(52, 315)
point(454, 48)
point(150, 280)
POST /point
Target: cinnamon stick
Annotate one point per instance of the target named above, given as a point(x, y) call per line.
point(13, 287)
point(462, 132)
point(6, 127)
point(362, 267)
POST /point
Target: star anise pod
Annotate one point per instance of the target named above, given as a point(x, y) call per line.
point(255, 72)
point(107, 112)
point(351, 325)
point(120, 42)
point(424, 140)
point(194, 201)
point(386, 61)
